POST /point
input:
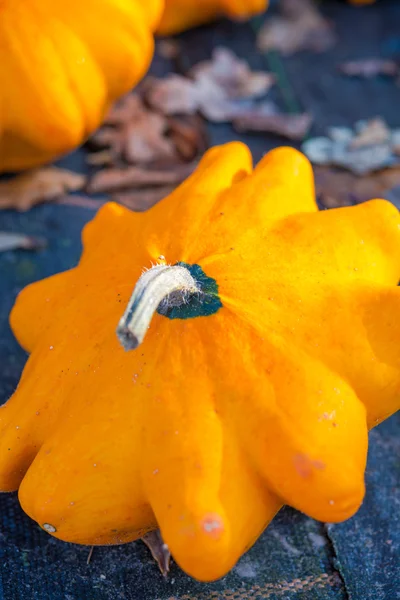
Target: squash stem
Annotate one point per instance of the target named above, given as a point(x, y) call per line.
point(158, 289)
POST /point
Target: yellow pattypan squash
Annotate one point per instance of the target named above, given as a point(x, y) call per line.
point(62, 62)
point(183, 14)
point(273, 347)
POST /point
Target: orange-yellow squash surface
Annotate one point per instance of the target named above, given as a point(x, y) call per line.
point(262, 398)
point(183, 14)
point(62, 62)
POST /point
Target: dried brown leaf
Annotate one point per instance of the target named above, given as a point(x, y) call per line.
point(175, 94)
point(128, 108)
point(114, 179)
point(138, 141)
point(370, 67)
point(232, 75)
point(293, 127)
point(141, 200)
point(336, 187)
point(13, 241)
point(39, 185)
point(134, 133)
point(299, 27)
point(189, 136)
point(159, 550)
point(217, 88)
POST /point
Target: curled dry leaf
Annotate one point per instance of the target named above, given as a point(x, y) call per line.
point(39, 185)
point(159, 550)
point(131, 177)
point(293, 127)
point(370, 67)
point(216, 88)
point(299, 27)
point(371, 146)
point(13, 241)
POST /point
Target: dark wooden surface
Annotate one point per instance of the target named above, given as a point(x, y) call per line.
point(296, 558)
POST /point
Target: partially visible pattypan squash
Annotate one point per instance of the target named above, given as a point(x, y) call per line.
point(183, 14)
point(62, 62)
point(273, 347)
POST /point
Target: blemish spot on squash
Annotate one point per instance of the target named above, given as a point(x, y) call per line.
point(213, 526)
point(49, 528)
point(305, 466)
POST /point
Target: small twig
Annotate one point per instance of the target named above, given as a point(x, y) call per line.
point(89, 558)
point(81, 202)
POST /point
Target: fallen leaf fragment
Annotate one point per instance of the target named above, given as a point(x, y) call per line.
point(169, 48)
point(189, 136)
point(396, 141)
point(109, 180)
point(371, 146)
point(370, 67)
point(128, 108)
point(217, 88)
point(13, 241)
point(299, 27)
point(141, 200)
point(100, 158)
point(139, 140)
point(175, 94)
point(293, 127)
point(159, 550)
point(372, 133)
point(232, 75)
point(39, 185)
point(134, 133)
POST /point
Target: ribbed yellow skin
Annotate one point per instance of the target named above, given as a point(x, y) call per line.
point(62, 62)
point(213, 422)
point(183, 14)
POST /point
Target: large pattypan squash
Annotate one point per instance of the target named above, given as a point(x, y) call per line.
point(183, 14)
point(273, 347)
point(62, 62)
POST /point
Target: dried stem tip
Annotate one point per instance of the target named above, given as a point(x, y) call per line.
point(159, 288)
